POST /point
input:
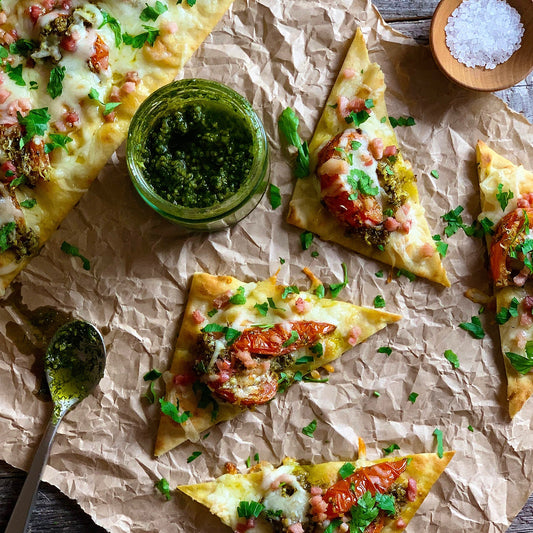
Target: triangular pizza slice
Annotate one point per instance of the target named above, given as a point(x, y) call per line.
point(242, 343)
point(370, 496)
point(507, 216)
point(361, 192)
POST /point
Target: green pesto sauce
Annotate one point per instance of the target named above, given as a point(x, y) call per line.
point(74, 363)
point(199, 155)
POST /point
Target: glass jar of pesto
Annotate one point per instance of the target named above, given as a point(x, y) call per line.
point(198, 155)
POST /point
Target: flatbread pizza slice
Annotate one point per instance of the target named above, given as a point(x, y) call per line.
point(74, 73)
point(370, 496)
point(361, 192)
point(242, 343)
point(507, 214)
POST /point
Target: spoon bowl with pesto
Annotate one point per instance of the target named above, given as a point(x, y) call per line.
point(74, 365)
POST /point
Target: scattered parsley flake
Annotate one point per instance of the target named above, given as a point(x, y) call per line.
point(274, 196)
point(413, 396)
point(6, 234)
point(262, 308)
point(306, 239)
point(504, 314)
point(291, 289)
point(171, 410)
point(402, 121)
point(292, 339)
point(238, 298)
point(379, 302)
point(503, 197)
point(35, 122)
point(357, 118)
point(249, 509)
point(440, 446)
point(74, 252)
point(193, 456)
point(522, 364)
point(58, 141)
point(336, 288)
point(310, 428)
point(152, 13)
point(152, 374)
point(317, 349)
point(150, 393)
point(377, 394)
point(320, 291)
point(389, 449)
point(55, 83)
point(114, 24)
point(164, 488)
point(314, 253)
point(435, 174)
point(452, 357)
point(474, 328)
point(15, 74)
point(212, 312)
point(409, 275)
point(385, 349)
point(304, 359)
point(470, 428)
point(281, 261)
point(379, 274)
point(29, 203)
point(288, 125)
point(347, 469)
point(138, 41)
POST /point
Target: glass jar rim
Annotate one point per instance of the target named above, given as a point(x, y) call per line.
point(187, 91)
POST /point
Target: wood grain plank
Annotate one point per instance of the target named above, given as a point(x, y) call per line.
point(397, 10)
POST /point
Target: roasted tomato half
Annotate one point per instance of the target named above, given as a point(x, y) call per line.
point(376, 478)
point(351, 207)
point(506, 259)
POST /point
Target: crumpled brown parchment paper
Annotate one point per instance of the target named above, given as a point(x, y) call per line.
point(279, 54)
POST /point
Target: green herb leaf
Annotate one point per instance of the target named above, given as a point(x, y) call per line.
point(470, 428)
point(152, 374)
point(304, 359)
point(314, 253)
point(206, 398)
point(389, 449)
point(334, 524)
point(262, 309)
point(171, 410)
point(249, 509)
point(74, 252)
point(474, 328)
point(17, 182)
point(385, 349)
point(6, 234)
point(152, 13)
point(402, 121)
point(29, 203)
point(336, 288)
point(193, 456)
point(379, 301)
point(22, 47)
point(274, 196)
point(440, 446)
point(306, 239)
point(238, 298)
point(138, 41)
point(58, 141)
point(271, 303)
point(369, 103)
point(320, 291)
point(486, 226)
point(347, 469)
point(435, 174)
point(452, 357)
point(291, 289)
point(15, 74)
point(114, 24)
point(409, 275)
point(109, 107)
point(150, 393)
point(288, 125)
point(357, 118)
point(379, 274)
point(163, 487)
point(317, 349)
point(212, 312)
point(55, 83)
point(412, 397)
point(281, 261)
point(292, 339)
point(377, 394)
point(522, 364)
point(503, 197)
point(506, 313)
point(310, 428)
point(35, 122)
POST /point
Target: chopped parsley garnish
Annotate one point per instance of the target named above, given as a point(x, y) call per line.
point(291, 289)
point(249, 509)
point(504, 314)
point(23, 47)
point(454, 220)
point(385, 349)
point(379, 301)
point(171, 410)
point(163, 487)
point(306, 239)
point(274, 195)
point(389, 449)
point(314, 253)
point(272, 305)
point(402, 121)
point(109, 107)
point(452, 357)
point(114, 24)
point(317, 349)
point(29, 203)
point(150, 393)
point(440, 446)
point(230, 334)
point(17, 181)
point(355, 145)
point(357, 118)
point(75, 252)
point(347, 469)
point(310, 428)
point(486, 226)
point(470, 428)
point(288, 125)
point(281, 261)
point(262, 308)
point(55, 84)
point(320, 291)
point(35, 122)
point(58, 141)
point(256, 457)
point(442, 247)
point(435, 174)
point(334, 524)
point(193, 456)
point(15, 74)
point(138, 41)
point(206, 398)
point(474, 328)
point(238, 298)
point(402, 272)
point(522, 364)
point(189, 2)
point(376, 394)
point(248, 462)
point(413, 396)
point(503, 197)
point(152, 13)
point(292, 339)
point(379, 274)
point(367, 510)
point(5, 233)
point(212, 312)
point(34, 85)
point(359, 180)
point(369, 103)
point(304, 359)
point(336, 288)
point(152, 374)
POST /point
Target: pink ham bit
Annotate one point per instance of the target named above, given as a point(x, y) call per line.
point(48, 4)
point(128, 87)
point(223, 300)
point(4, 95)
point(184, 379)
point(197, 316)
point(72, 118)
point(22, 106)
point(295, 528)
point(69, 43)
point(110, 117)
point(527, 303)
point(391, 224)
point(521, 340)
point(249, 524)
point(427, 250)
point(525, 201)
point(35, 12)
point(411, 489)
point(114, 95)
point(3, 17)
point(170, 27)
point(66, 5)
point(301, 306)
point(246, 358)
point(376, 148)
point(400, 523)
point(354, 334)
point(390, 151)
point(316, 491)
point(345, 106)
point(348, 73)
point(526, 319)
point(520, 279)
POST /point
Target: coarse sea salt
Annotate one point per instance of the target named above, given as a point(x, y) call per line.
point(484, 32)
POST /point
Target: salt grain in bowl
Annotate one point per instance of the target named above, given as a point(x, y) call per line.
point(484, 32)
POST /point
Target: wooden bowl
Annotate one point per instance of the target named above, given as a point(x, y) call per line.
point(505, 75)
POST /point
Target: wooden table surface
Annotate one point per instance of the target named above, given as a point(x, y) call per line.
point(55, 512)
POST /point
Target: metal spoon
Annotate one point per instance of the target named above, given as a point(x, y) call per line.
point(74, 364)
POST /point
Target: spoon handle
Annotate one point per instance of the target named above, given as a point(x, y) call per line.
point(20, 516)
